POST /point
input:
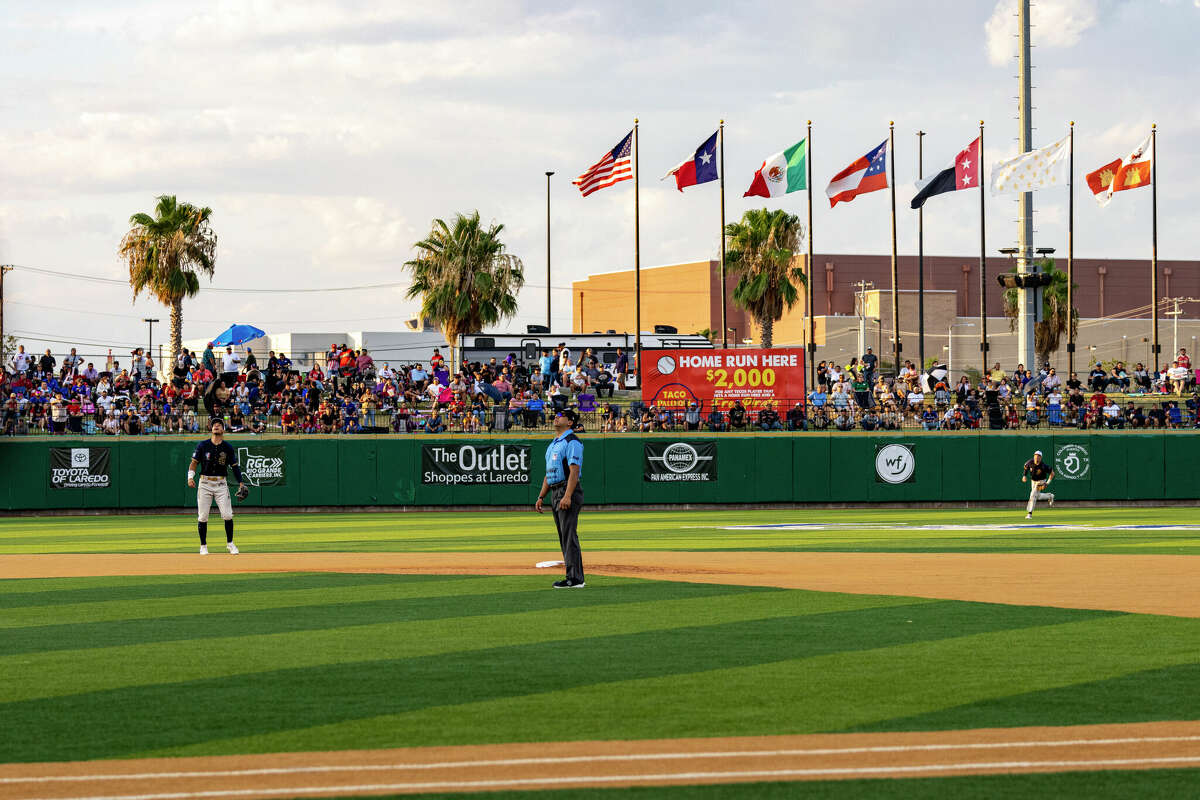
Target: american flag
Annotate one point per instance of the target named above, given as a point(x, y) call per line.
point(613, 168)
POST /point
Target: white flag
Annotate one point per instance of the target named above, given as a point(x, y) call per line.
point(1036, 169)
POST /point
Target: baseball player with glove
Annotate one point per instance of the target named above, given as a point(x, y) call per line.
point(215, 457)
point(1040, 474)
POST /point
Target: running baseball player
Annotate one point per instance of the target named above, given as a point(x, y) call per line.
point(215, 457)
point(1040, 474)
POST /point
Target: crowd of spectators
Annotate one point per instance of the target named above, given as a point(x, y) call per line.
point(344, 391)
point(347, 391)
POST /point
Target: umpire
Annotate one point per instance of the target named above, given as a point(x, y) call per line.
point(564, 468)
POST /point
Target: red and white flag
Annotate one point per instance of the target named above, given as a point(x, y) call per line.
point(1124, 173)
point(614, 167)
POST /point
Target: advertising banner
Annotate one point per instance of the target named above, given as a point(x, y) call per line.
point(1072, 462)
point(263, 465)
point(80, 468)
point(895, 463)
point(475, 463)
point(718, 378)
point(680, 461)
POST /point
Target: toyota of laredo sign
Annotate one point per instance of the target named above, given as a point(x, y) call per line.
point(475, 464)
point(80, 468)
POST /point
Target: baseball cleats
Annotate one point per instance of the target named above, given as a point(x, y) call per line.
point(232, 548)
point(203, 549)
point(567, 583)
point(1029, 516)
point(1051, 501)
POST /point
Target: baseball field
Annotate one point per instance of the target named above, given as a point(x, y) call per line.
point(712, 654)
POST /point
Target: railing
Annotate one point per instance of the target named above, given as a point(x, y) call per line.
point(1155, 412)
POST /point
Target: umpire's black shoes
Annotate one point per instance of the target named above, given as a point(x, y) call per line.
point(567, 583)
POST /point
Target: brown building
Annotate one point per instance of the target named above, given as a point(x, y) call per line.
point(1109, 291)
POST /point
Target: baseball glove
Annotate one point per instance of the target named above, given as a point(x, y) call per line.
point(242, 493)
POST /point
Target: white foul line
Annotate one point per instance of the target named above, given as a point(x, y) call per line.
point(668, 776)
point(510, 762)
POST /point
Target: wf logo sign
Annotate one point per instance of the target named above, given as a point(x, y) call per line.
point(895, 463)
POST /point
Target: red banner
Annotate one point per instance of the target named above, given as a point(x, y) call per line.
point(759, 378)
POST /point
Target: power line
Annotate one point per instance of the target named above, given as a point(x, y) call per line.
point(366, 287)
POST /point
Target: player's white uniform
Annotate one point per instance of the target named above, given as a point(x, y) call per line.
point(1035, 494)
point(212, 488)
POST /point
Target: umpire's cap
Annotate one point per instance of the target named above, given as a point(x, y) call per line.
point(571, 414)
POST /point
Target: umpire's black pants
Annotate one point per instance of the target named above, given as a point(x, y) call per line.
point(567, 523)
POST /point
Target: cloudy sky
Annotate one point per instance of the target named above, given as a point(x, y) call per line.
point(326, 136)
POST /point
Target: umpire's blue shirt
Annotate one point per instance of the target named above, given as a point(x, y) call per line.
point(561, 448)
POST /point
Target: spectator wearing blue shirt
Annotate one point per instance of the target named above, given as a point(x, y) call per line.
point(564, 471)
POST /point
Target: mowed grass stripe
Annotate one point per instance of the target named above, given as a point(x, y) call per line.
point(575, 616)
point(869, 689)
point(307, 610)
point(640, 530)
point(1155, 694)
point(263, 596)
point(597, 666)
point(57, 596)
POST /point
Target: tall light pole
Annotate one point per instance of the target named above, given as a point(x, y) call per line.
point(1026, 298)
point(548, 174)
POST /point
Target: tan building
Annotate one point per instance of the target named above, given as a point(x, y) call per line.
point(1112, 297)
point(686, 296)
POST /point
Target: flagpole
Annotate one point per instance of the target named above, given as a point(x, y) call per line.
point(637, 258)
point(724, 323)
point(895, 297)
point(812, 325)
point(1154, 237)
point(1071, 257)
point(921, 255)
point(983, 342)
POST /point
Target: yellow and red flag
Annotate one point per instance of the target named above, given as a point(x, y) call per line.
point(1123, 173)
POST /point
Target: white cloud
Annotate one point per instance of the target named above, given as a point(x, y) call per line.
point(1054, 23)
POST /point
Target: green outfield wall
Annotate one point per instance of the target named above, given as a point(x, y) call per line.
point(770, 468)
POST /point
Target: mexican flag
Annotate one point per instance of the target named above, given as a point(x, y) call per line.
point(782, 173)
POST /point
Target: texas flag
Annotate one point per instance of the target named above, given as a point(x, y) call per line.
point(700, 168)
point(962, 174)
point(867, 174)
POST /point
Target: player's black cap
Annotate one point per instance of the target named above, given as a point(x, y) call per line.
point(215, 421)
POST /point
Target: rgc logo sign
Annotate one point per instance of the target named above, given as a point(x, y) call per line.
point(263, 465)
point(895, 463)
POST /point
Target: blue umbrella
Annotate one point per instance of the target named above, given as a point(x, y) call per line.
point(237, 334)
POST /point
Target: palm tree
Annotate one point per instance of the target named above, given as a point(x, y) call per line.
point(1048, 333)
point(761, 249)
point(464, 277)
point(165, 253)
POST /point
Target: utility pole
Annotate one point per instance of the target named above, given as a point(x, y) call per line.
point(3, 269)
point(1176, 313)
point(861, 307)
point(150, 343)
point(1027, 298)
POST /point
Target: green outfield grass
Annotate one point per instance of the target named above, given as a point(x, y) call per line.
point(1092, 530)
point(155, 666)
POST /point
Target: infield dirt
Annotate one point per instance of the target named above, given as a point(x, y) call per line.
point(1143, 584)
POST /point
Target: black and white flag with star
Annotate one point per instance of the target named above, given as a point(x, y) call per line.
point(962, 174)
